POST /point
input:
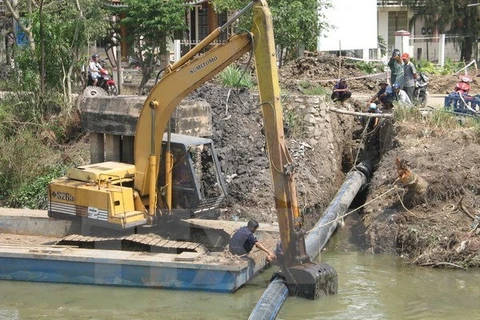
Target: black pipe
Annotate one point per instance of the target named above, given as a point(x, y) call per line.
point(272, 300)
point(322, 231)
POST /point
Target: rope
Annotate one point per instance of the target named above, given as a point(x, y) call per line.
point(356, 209)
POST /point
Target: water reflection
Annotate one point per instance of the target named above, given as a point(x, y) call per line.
point(370, 287)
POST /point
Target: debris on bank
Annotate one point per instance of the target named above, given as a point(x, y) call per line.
point(431, 211)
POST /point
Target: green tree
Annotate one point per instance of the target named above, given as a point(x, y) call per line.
point(453, 17)
point(58, 31)
point(150, 24)
point(296, 23)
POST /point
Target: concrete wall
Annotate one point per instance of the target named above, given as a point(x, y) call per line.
point(111, 122)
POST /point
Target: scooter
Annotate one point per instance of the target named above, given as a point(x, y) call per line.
point(460, 101)
point(105, 84)
point(420, 93)
point(463, 85)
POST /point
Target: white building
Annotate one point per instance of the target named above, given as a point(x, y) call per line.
point(359, 24)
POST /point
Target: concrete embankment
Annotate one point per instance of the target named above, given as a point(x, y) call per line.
point(34, 222)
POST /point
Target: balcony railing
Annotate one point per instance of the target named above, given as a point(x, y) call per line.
point(396, 3)
point(389, 3)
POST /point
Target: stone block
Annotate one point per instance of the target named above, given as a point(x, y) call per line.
point(118, 116)
point(192, 118)
point(114, 115)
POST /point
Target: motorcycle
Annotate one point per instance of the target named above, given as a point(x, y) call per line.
point(420, 93)
point(105, 84)
point(460, 101)
point(463, 85)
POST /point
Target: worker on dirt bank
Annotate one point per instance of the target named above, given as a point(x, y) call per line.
point(393, 94)
point(383, 86)
point(410, 74)
point(401, 95)
point(396, 68)
point(243, 241)
point(341, 92)
point(372, 122)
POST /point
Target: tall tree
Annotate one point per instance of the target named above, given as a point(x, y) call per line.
point(452, 17)
point(296, 23)
point(150, 24)
point(64, 29)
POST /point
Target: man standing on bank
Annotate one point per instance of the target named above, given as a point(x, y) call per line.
point(409, 74)
point(243, 241)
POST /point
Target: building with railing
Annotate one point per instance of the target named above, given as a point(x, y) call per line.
point(394, 15)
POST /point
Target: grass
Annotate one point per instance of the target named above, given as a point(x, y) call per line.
point(294, 125)
point(438, 119)
point(234, 77)
point(310, 89)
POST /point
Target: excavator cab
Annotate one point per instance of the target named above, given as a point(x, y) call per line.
point(198, 186)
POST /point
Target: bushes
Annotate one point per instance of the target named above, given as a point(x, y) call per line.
point(24, 160)
point(370, 67)
point(33, 195)
point(31, 147)
point(428, 67)
point(438, 119)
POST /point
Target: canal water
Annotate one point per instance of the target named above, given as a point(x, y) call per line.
point(370, 287)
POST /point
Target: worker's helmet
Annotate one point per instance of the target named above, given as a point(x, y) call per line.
point(396, 86)
point(396, 53)
point(95, 55)
point(373, 106)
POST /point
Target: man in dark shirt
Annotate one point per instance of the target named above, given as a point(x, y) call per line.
point(243, 241)
point(341, 91)
point(383, 86)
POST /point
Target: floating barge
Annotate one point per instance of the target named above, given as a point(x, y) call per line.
point(31, 249)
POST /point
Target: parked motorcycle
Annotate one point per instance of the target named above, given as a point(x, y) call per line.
point(105, 84)
point(420, 93)
point(460, 101)
point(463, 85)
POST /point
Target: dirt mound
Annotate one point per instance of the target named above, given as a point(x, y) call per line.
point(325, 69)
point(444, 84)
point(241, 146)
point(439, 227)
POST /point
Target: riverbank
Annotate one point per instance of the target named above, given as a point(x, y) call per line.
point(437, 223)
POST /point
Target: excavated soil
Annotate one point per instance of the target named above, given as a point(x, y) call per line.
point(324, 69)
point(241, 147)
point(435, 229)
point(438, 228)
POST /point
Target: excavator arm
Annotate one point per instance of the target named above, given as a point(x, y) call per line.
point(188, 74)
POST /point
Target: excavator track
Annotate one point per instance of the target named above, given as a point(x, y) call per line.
point(133, 242)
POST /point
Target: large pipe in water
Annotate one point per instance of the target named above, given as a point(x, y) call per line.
point(273, 298)
point(322, 231)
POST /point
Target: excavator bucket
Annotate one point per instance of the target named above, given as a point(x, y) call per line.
point(312, 281)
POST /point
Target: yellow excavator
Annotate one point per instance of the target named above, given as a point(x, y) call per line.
point(119, 195)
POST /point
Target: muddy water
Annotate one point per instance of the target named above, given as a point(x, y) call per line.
point(370, 287)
